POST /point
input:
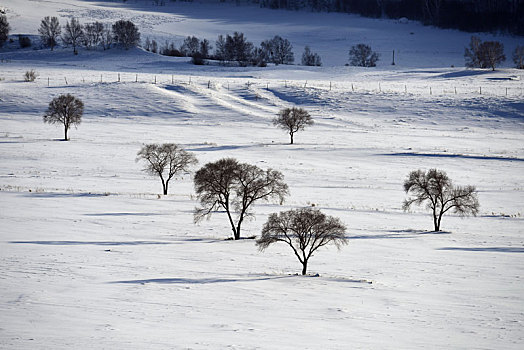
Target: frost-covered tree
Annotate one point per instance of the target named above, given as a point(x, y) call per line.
point(107, 37)
point(49, 31)
point(66, 110)
point(165, 161)
point(361, 55)
point(4, 29)
point(234, 187)
point(436, 189)
point(278, 50)
point(304, 230)
point(220, 49)
point(73, 34)
point(292, 120)
point(518, 57)
point(126, 33)
point(310, 58)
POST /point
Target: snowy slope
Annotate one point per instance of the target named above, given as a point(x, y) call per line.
point(91, 257)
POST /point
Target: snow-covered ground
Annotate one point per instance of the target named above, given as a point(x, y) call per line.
point(91, 257)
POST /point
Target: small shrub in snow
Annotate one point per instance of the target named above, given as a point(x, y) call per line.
point(49, 31)
point(518, 57)
point(197, 59)
point(361, 55)
point(436, 189)
point(310, 58)
point(30, 76)
point(4, 29)
point(304, 230)
point(234, 187)
point(66, 110)
point(292, 120)
point(126, 34)
point(165, 160)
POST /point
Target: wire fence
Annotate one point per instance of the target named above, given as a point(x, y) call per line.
point(502, 87)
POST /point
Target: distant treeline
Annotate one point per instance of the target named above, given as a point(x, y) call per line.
point(466, 15)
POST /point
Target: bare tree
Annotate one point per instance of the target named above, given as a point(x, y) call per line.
point(487, 54)
point(292, 120)
point(278, 50)
point(49, 31)
point(106, 38)
point(304, 230)
point(190, 46)
point(436, 189)
point(4, 29)
point(165, 160)
point(234, 187)
point(310, 58)
point(73, 34)
point(492, 54)
point(518, 57)
point(66, 110)
point(126, 33)
point(205, 48)
point(93, 34)
point(361, 55)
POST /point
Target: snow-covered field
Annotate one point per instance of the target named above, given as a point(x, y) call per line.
point(91, 257)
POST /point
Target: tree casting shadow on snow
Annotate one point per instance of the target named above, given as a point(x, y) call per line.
point(200, 280)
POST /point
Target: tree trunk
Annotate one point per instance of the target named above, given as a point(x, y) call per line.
point(304, 267)
point(65, 134)
point(291, 134)
point(165, 190)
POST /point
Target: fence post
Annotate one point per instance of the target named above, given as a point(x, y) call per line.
point(48, 83)
point(455, 90)
point(136, 78)
point(155, 79)
point(267, 86)
point(506, 90)
point(305, 84)
point(480, 90)
point(172, 81)
point(405, 88)
point(285, 83)
point(379, 87)
point(189, 80)
point(352, 88)
point(430, 91)
point(119, 77)
point(208, 83)
point(329, 86)
point(393, 63)
point(65, 80)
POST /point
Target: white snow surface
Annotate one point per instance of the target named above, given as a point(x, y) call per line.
point(91, 257)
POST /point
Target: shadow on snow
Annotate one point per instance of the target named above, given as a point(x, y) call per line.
point(442, 155)
point(487, 249)
point(103, 243)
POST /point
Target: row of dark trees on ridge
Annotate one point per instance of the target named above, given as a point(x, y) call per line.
point(233, 187)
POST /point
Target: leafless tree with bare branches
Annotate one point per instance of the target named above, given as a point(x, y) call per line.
point(234, 187)
point(165, 160)
point(304, 230)
point(436, 189)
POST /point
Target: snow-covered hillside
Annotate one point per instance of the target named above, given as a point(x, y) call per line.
point(91, 257)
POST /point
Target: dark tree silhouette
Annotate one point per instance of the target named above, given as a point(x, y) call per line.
point(518, 57)
point(73, 34)
point(4, 29)
point(278, 50)
point(66, 110)
point(234, 187)
point(126, 33)
point(49, 31)
point(310, 58)
point(436, 189)
point(165, 160)
point(487, 54)
point(304, 230)
point(361, 55)
point(293, 120)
